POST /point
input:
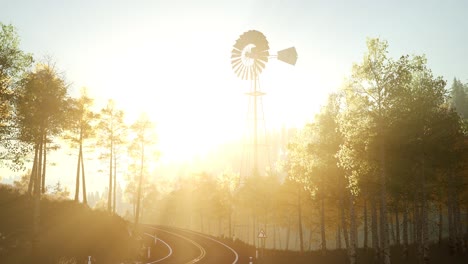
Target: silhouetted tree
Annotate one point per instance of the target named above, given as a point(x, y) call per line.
point(144, 138)
point(111, 132)
point(82, 128)
point(459, 98)
point(42, 111)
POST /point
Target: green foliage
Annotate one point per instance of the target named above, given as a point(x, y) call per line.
point(143, 142)
point(111, 132)
point(82, 119)
point(111, 126)
point(42, 105)
point(13, 63)
point(459, 99)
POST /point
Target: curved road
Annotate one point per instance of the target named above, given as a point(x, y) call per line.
point(180, 246)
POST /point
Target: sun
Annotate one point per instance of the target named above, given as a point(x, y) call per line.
point(191, 114)
point(193, 96)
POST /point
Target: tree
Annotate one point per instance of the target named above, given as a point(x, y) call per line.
point(371, 93)
point(396, 124)
point(312, 159)
point(459, 98)
point(42, 109)
point(81, 129)
point(227, 183)
point(254, 198)
point(143, 137)
point(111, 132)
point(324, 146)
point(13, 66)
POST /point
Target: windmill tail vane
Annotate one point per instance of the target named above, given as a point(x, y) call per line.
point(250, 54)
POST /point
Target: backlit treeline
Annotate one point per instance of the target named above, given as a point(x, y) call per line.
point(389, 141)
point(38, 115)
point(383, 164)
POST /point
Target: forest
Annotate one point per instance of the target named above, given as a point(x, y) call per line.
point(383, 165)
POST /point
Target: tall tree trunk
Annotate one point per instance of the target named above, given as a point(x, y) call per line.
point(299, 222)
point(397, 224)
point(414, 222)
point(254, 234)
point(338, 237)
point(366, 228)
point(343, 223)
point(384, 243)
point(85, 199)
point(405, 230)
point(78, 166)
point(114, 208)
point(288, 233)
point(247, 232)
point(274, 237)
point(37, 203)
point(44, 163)
point(32, 177)
point(109, 196)
point(140, 182)
point(322, 225)
point(419, 228)
point(451, 228)
point(424, 215)
point(279, 238)
point(353, 231)
point(230, 221)
point(458, 225)
point(466, 227)
point(440, 224)
point(391, 227)
point(374, 230)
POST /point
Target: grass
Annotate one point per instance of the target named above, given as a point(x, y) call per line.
point(69, 232)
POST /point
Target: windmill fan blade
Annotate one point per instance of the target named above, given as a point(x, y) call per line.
point(236, 53)
point(263, 55)
point(236, 62)
point(249, 54)
point(288, 55)
point(257, 69)
point(238, 70)
point(260, 65)
point(244, 74)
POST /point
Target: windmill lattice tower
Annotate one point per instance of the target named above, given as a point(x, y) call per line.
point(249, 56)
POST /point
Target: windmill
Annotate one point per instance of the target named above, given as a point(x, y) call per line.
point(249, 56)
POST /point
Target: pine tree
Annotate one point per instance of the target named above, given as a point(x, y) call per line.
point(459, 99)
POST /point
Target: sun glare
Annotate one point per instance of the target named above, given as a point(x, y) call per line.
point(193, 96)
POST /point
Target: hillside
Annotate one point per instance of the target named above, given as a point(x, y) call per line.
point(69, 231)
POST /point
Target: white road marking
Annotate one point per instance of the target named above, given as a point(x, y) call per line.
point(217, 241)
point(202, 250)
point(167, 245)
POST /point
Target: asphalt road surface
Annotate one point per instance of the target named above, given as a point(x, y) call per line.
point(180, 246)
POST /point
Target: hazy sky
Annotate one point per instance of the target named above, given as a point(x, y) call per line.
point(172, 58)
point(146, 52)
